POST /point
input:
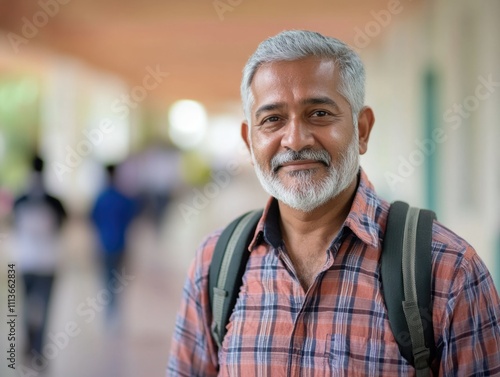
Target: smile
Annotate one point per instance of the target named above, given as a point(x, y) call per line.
point(300, 165)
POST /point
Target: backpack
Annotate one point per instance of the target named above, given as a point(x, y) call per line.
point(406, 280)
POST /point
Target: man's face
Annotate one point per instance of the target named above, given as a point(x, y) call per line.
point(301, 136)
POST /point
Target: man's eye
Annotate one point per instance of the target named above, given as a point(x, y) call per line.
point(271, 119)
point(320, 113)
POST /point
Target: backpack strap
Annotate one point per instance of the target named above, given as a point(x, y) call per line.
point(227, 268)
point(406, 282)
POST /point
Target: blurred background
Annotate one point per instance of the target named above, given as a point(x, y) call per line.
point(152, 88)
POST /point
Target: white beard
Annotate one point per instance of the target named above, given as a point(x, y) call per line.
point(307, 193)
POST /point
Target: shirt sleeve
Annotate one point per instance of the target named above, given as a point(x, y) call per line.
point(471, 336)
point(193, 351)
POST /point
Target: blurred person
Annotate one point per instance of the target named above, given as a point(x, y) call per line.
point(311, 301)
point(38, 220)
point(112, 214)
point(159, 178)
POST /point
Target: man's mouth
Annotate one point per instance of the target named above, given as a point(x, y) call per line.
point(300, 165)
point(302, 160)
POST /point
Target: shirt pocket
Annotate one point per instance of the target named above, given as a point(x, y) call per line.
point(359, 356)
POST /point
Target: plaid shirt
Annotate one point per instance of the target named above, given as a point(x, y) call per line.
point(339, 327)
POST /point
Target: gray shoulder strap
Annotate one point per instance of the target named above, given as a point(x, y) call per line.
point(410, 305)
point(406, 272)
point(227, 268)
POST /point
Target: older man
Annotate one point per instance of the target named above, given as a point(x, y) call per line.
point(311, 301)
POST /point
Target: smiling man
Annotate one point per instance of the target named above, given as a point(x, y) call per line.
point(311, 302)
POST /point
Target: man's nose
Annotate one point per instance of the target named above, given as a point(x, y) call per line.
point(297, 135)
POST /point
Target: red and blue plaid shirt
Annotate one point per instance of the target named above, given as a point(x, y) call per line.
point(339, 327)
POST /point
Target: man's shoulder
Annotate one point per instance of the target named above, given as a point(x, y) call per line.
point(206, 249)
point(447, 246)
point(53, 201)
point(452, 252)
point(20, 200)
point(44, 198)
point(443, 238)
point(207, 245)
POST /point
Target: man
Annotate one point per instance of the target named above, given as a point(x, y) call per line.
point(112, 215)
point(38, 221)
point(311, 301)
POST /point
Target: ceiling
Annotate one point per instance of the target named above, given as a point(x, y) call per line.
point(202, 44)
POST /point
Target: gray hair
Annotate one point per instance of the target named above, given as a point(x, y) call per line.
point(298, 44)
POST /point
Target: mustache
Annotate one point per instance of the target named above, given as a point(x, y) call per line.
point(319, 155)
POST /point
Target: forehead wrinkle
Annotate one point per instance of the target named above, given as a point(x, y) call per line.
point(320, 101)
point(269, 107)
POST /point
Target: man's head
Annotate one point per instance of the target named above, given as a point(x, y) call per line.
point(37, 164)
point(298, 44)
point(302, 110)
point(111, 174)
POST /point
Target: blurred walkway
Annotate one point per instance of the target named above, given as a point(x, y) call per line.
point(82, 343)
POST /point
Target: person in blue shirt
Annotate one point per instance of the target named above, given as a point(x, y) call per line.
point(112, 215)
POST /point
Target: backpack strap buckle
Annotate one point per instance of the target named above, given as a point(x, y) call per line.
point(421, 357)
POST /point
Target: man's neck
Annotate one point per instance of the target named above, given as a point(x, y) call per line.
point(307, 236)
point(322, 223)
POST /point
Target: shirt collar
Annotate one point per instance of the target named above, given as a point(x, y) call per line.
point(268, 227)
point(361, 219)
point(365, 210)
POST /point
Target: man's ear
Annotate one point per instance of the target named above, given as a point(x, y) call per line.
point(245, 134)
point(366, 119)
